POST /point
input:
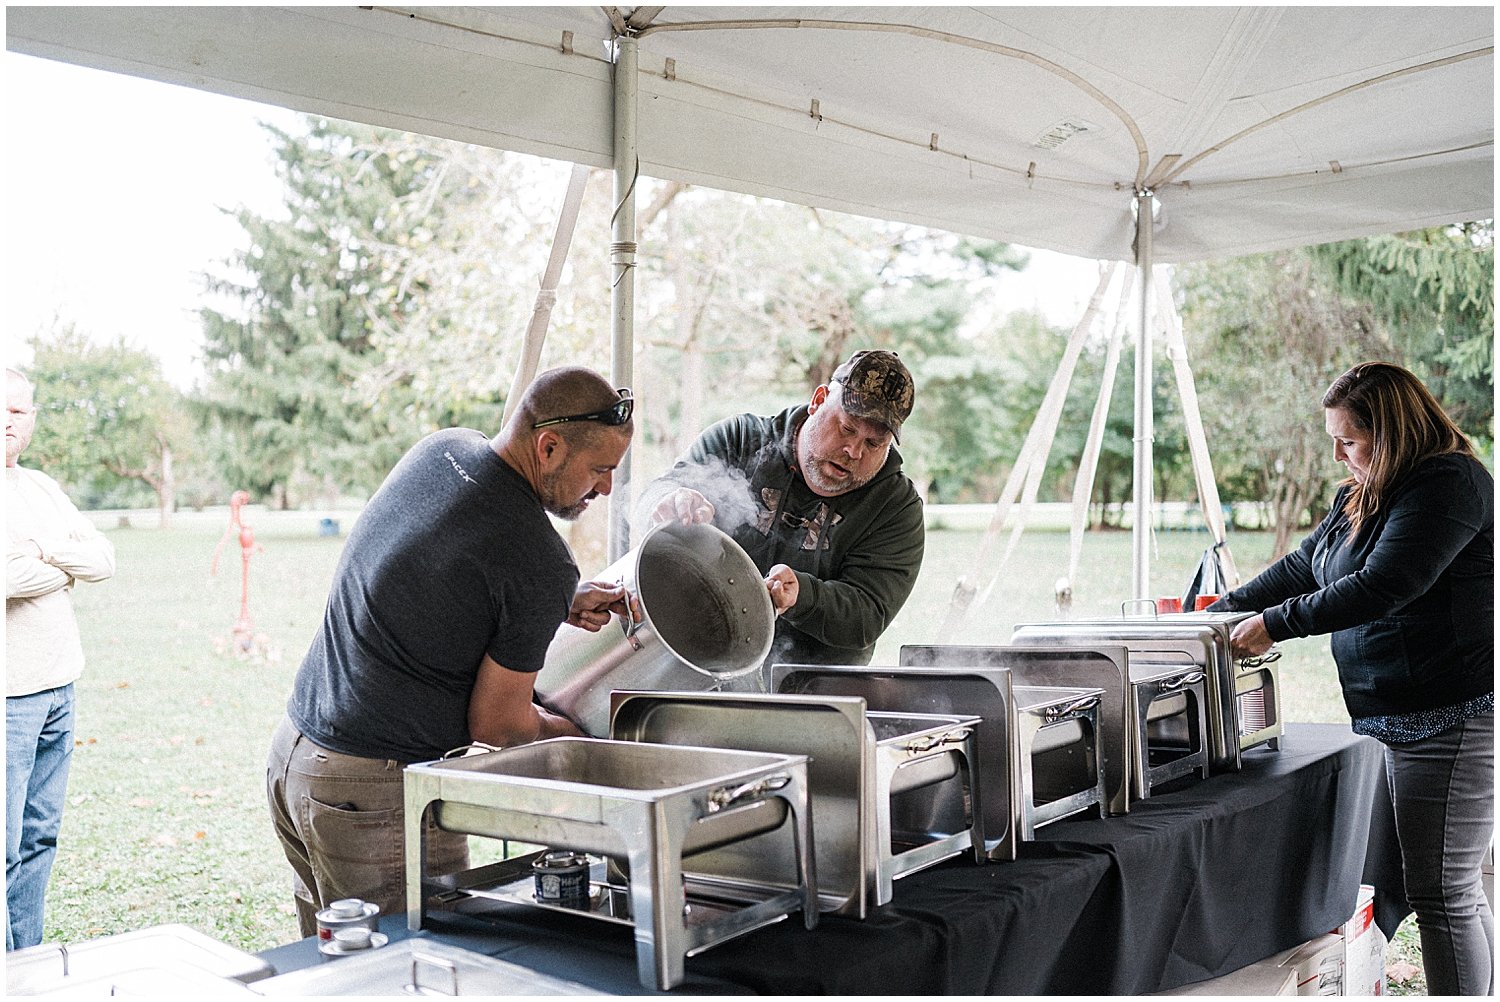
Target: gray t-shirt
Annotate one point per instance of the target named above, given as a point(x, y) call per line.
point(453, 558)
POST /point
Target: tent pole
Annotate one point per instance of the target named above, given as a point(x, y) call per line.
point(546, 294)
point(622, 250)
point(1140, 534)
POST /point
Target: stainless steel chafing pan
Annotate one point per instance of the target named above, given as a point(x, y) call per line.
point(645, 807)
point(1104, 667)
point(1009, 809)
point(1201, 639)
point(860, 764)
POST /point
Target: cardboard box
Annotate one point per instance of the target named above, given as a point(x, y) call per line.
point(1263, 979)
point(1364, 948)
point(1318, 965)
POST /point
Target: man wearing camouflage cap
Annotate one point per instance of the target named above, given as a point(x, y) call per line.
point(816, 497)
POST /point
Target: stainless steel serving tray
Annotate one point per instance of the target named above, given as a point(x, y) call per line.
point(1198, 638)
point(1059, 752)
point(165, 951)
point(846, 746)
point(985, 693)
point(1104, 667)
point(576, 779)
point(1170, 710)
point(645, 807)
point(420, 966)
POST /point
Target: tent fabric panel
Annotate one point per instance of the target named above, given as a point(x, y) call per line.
point(523, 95)
point(1008, 162)
point(1219, 225)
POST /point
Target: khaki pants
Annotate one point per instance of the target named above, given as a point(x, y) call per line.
point(341, 821)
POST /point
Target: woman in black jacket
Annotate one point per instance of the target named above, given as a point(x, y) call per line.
point(1401, 573)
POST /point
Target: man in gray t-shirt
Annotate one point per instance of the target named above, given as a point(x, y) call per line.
point(445, 599)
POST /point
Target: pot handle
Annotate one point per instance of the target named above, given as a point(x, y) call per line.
point(1126, 606)
point(727, 796)
point(630, 624)
point(471, 747)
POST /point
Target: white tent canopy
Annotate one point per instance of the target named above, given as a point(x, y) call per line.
point(1257, 127)
point(1244, 128)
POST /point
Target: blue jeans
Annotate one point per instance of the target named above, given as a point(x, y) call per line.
point(38, 750)
point(1443, 789)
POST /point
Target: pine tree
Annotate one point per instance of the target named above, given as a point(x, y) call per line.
point(284, 394)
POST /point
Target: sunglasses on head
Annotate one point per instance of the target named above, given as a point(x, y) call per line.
point(614, 415)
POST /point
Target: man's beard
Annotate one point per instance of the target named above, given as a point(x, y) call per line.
point(823, 485)
point(568, 513)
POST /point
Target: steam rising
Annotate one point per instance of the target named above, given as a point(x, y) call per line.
point(726, 487)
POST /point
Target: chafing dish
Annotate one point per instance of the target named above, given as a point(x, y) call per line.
point(420, 967)
point(1244, 698)
point(1102, 667)
point(860, 765)
point(1170, 723)
point(1009, 808)
point(644, 808)
point(1058, 749)
point(165, 954)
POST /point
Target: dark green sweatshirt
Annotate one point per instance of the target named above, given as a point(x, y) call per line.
point(856, 555)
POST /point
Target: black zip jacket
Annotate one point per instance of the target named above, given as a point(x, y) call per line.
point(1410, 604)
point(856, 556)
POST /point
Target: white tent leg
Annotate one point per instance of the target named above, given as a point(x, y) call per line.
point(546, 295)
point(1034, 450)
point(1203, 467)
point(622, 250)
point(1140, 535)
point(1083, 485)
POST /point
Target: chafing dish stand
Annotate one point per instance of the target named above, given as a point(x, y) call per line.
point(1101, 667)
point(1059, 751)
point(1169, 711)
point(860, 765)
point(1244, 695)
point(643, 807)
point(1011, 810)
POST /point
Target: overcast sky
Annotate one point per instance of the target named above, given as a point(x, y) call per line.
point(115, 187)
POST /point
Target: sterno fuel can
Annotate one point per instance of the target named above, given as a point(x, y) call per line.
point(347, 913)
point(562, 878)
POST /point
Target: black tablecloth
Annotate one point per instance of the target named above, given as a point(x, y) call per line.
point(1191, 884)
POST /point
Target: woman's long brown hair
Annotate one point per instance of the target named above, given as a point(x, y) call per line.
point(1406, 423)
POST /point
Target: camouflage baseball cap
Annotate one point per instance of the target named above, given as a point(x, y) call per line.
point(877, 387)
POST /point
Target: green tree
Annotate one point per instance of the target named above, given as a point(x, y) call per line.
point(107, 419)
point(1434, 290)
point(1275, 333)
point(767, 298)
point(284, 396)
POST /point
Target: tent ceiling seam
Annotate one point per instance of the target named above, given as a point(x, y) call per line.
point(821, 115)
point(1247, 36)
point(1343, 168)
point(1142, 154)
point(1341, 92)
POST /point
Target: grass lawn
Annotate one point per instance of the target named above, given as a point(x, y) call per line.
point(166, 817)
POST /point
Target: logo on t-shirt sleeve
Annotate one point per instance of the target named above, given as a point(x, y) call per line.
point(458, 468)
